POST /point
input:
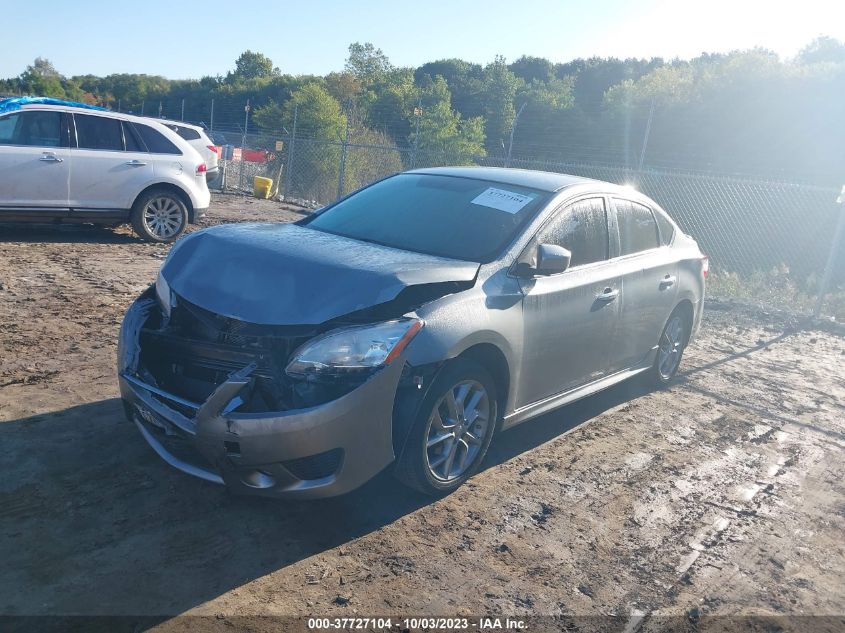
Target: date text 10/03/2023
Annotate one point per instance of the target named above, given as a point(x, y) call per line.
point(426, 623)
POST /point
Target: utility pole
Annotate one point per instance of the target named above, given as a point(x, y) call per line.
point(835, 251)
point(418, 115)
point(183, 110)
point(513, 129)
point(211, 128)
point(159, 109)
point(289, 168)
point(243, 145)
point(645, 137)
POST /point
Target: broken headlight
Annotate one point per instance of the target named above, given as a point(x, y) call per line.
point(353, 349)
point(163, 295)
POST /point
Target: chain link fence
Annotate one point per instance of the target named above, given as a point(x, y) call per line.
point(769, 241)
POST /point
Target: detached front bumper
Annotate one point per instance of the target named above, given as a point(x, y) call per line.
point(321, 451)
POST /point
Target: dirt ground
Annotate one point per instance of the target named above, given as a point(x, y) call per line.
point(722, 495)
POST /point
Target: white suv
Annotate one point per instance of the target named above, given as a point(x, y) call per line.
point(198, 139)
point(61, 163)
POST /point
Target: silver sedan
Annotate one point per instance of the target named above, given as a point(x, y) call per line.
point(404, 325)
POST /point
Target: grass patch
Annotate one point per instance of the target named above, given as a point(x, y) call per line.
point(776, 289)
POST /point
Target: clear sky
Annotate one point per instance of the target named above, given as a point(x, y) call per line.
point(191, 39)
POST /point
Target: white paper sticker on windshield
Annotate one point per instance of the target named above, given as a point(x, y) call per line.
point(502, 200)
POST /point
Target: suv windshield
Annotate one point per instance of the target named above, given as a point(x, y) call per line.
point(448, 216)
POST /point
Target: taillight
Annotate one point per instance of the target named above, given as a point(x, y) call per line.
point(705, 266)
point(213, 148)
point(201, 169)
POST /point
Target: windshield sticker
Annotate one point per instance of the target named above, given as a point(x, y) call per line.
point(502, 200)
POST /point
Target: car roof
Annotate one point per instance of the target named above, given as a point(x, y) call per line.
point(98, 112)
point(542, 180)
point(172, 136)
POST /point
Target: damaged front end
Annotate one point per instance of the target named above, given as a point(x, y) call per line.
point(245, 405)
point(268, 357)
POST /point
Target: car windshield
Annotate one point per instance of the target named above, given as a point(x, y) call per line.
point(448, 216)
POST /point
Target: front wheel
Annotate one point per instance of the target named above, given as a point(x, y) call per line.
point(453, 430)
point(670, 348)
point(159, 216)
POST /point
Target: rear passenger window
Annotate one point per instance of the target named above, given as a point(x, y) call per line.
point(98, 132)
point(189, 134)
point(637, 228)
point(155, 141)
point(582, 229)
point(667, 231)
point(36, 129)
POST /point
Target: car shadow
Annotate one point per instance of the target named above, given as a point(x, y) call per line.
point(93, 522)
point(65, 234)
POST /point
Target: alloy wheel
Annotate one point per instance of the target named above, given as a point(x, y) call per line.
point(163, 217)
point(670, 348)
point(456, 430)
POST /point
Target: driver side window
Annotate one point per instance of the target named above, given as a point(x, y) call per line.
point(581, 228)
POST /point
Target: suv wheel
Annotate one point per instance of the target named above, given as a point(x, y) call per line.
point(159, 216)
point(453, 430)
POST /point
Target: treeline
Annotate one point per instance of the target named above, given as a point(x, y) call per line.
point(742, 112)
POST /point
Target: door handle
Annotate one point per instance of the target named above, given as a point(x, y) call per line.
point(51, 158)
point(135, 163)
point(668, 281)
point(608, 294)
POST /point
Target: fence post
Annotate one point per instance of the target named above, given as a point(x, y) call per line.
point(513, 129)
point(835, 246)
point(289, 166)
point(243, 145)
point(646, 135)
point(417, 116)
point(342, 174)
point(183, 110)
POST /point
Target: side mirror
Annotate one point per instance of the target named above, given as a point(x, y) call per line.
point(552, 259)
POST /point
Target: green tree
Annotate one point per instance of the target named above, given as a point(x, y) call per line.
point(363, 165)
point(318, 115)
point(368, 63)
point(442, 136)
point(531, 69)
point(42, 79)
point(823, 50)
point(499, 86)
point(252, 66)
point(391, 102)
point(463, 79)
point(544, 123)
point(344, 86)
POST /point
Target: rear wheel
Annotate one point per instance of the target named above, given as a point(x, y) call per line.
point(159, 216)
point(670, 348)
point(453, 430)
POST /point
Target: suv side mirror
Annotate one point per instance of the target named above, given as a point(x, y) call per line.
point(552, 259)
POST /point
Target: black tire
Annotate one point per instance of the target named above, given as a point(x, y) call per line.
point(166, 228)
point(413, 467)
point(674, 336)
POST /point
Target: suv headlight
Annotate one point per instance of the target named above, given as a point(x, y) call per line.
point(163, 295)
point(354, 349)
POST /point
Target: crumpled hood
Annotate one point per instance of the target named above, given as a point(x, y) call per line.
point(284, 274)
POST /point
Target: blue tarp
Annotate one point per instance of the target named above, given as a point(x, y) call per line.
point(15, 103)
